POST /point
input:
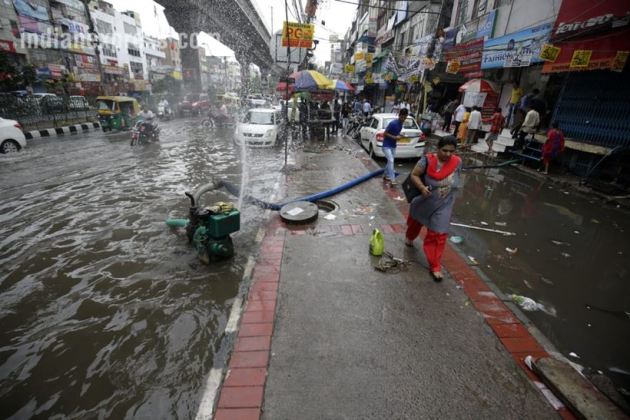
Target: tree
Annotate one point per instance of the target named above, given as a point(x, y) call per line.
point(13, 77)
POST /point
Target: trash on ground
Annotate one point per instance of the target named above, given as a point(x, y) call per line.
point(456, 239)
point(529, 304)
point(363, 210)
point(525, 303)
point(546, 280)
point(484, 229)
point(500, 223)
point(484, 223)
point(330, 216)
point(577, 232)
point(473, 261)
point(565, 192)
point(390, 264)
point(572, 354)
point(512, 251)
point(399, 198)
point(566, 255)
point(594, 220)
point(559, 242)
point(528, 284)
point(589, 325)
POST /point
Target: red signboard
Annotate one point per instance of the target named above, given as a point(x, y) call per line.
point(7, 46)
point(469, 56)
point(602, 27)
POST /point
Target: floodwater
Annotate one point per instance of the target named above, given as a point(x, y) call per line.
point(570, 254)
point(105, 311)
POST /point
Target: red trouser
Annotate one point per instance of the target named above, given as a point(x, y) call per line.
point(433, 246)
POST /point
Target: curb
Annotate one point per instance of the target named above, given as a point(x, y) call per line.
point(61, 131)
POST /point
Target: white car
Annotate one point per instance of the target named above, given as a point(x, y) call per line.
point(259, 127)
point(256, 100)
point(373, 134)
point(12, 137)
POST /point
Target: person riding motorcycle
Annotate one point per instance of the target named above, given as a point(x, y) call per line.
point(147, 120)
point(164, 109)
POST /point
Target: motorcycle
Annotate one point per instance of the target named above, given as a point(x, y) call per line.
point(144, 132)
point(164, 112)
point(354, 126)
point(218, 121)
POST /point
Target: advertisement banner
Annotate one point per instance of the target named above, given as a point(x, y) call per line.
point(519, 49)
point(620, 61)
point(28, 9)
point(298, 35)
point(580, 59)
point(601, 27)
point(480, 28)
point(469, 56)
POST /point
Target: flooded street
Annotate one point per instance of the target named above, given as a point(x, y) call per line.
point(106, 312)
point(569, 254)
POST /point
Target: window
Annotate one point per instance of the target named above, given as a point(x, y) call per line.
point(103, 27)
point(136, 69)
point(129, 29)
point(409, 123)
point(374, 123)
point(133, 50)
point(109, 50)
point(256, 117)
point(462, 11)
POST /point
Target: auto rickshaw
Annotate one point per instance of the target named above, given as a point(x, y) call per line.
point(117, 112)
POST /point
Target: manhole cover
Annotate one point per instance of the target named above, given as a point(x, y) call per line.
point(327, 205)
point(299, 212)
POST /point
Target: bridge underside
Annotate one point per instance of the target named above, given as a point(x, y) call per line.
point(226, 18)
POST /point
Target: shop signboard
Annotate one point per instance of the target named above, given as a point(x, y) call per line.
point(7, 46)
point(298, 35)
point(601, 27)
point(580, 59)
point(480, 28)
point(89, 77)
point(453, 67)
point(518, 49)
point(469, 57)
point(474, 99)
point(620, 61)
point(56, 70)
point(549, 53)
point(43, 73)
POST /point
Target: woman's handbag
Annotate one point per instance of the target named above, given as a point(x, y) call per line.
point(410, 190)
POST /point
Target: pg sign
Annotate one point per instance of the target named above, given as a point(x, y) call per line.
point(298, 35)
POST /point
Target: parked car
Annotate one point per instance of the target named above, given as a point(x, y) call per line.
point(259, 127)
point(12, 137)
point(373, 134)
point(78, 103)
point(201, 105)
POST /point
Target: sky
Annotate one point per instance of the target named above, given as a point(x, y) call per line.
point(336, 15)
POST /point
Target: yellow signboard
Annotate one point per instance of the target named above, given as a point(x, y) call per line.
point(549, 53)
point(453, 66)
point(619, 62)
point(369, 57)
point(580, 59)
point(359, 55)
point(349, 68)
point(298, 35)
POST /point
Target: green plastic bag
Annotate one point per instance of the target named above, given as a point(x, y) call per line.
point(377, 243)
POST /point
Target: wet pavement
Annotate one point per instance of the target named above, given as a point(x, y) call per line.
point(105, 312)
point(569, 254)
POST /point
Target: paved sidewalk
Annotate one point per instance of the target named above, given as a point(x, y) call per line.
point(350, 342)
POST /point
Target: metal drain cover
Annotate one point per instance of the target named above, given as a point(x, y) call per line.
point(299, 212)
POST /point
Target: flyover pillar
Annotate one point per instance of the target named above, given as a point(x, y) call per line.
point(244, 61)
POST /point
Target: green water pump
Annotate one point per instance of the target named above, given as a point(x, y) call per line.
point(209, 228)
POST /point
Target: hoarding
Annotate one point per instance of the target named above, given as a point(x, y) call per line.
point(518, 49)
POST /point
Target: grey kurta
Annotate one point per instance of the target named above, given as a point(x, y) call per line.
point(435, 211)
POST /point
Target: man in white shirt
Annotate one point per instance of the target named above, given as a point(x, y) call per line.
point(459, 117)
point(530, 125)
point(474, 125)
point(367, 108)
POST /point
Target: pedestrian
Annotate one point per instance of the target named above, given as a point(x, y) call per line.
point(437, 176)
point(356, 106)
point(530, 125)
point(515, 97)
point(449, 108)
point(525, 100)
point(336, 116)
point(460, 111)
point(474, 126)
point(405, 105)
point(462, 127)
point(553, 146)
point(497, 121)
point(391, 136)
point(367, 108)
point(345, 114)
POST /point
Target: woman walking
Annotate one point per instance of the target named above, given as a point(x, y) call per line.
point(437, 176)
point(553, 146)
